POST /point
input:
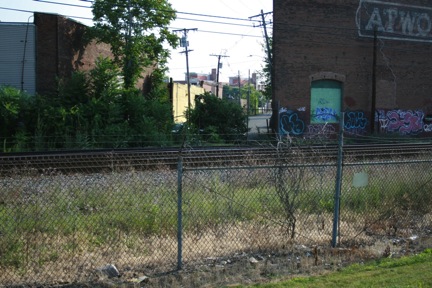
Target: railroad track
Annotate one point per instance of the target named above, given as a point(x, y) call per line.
point(92, 161)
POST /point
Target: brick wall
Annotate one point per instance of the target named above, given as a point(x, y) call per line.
point(61, 49)
point(320, 38)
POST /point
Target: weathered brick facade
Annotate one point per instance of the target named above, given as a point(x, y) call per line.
point(61, 49)
point(334, 40)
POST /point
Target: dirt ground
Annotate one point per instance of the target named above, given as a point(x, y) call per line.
point(265, 266)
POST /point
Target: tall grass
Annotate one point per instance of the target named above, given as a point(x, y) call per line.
point(47, 219)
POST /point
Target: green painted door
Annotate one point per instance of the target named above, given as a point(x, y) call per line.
point(326, 99)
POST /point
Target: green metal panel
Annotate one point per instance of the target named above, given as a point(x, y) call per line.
point(326, 98)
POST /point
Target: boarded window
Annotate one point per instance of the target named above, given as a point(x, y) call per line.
point(326, 98)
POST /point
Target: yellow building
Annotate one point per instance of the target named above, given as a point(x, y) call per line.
point(180, 100)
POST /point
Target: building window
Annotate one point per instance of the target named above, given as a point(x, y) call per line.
point(326, 99)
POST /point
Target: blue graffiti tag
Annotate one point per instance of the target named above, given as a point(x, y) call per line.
point(355, 120)
point(325, 114)
point(290, 124)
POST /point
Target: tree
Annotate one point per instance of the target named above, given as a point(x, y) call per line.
point(266, 72)
point(232, 94)
point(137, 31)
point(217, 118)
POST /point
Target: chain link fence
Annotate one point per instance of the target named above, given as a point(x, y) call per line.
point(275, 216)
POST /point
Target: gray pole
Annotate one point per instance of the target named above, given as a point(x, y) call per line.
point(247, 107)
point(186, 45)
point(179, 214)
point(188, 81)
point(338, 185)
point(217, 72)
point(239, 86)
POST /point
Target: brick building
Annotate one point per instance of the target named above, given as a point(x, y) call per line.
point(50, 48)
point(370, 59)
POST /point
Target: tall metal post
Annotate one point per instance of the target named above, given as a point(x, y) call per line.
point(188, 82)
point(338, 186)
point(373, 102)
point(248, 106)
point(179, 213)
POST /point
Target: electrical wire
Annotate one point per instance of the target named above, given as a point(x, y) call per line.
point(224, 33)
point(64, 4)
point(214, 22)
point(87, 18)
point(177, 12)
point(180, 18)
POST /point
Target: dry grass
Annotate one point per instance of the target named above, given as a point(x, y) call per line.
point(220, 255)
point(229, 217)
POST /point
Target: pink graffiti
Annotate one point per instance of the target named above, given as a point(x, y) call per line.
point(405, 121)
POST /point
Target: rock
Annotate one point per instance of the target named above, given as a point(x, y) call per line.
point(142, 279)
point(110, 270)
point(252, 260)
point(413, 238)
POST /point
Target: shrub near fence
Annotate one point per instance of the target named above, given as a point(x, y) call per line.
point(65, 227)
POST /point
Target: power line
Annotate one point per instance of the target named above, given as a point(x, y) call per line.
point(214, 22)
point(64, 4)
point(87, 18)
point(282, 26)
point(17, 10)
point(30, 11)
point(227, 33)
point(177, 12)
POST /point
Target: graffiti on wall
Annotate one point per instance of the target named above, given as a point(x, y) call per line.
point(427, 127)
point(355, 122)
point(325, 114)
point(394, 21)
point(404, 122)
point(321, 131)
point(290, 123)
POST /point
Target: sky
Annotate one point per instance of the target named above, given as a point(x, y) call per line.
point(223, 27)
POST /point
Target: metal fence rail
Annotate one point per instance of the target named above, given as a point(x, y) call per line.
point(68, 227)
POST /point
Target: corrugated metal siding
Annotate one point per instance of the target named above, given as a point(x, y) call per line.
point(12, 56)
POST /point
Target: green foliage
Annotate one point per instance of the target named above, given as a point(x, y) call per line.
point(16, 117)
point(149, 119)
point(266, 72)
point(212, 116)
point(91, 110)
point(246, 91)
point(137, 31)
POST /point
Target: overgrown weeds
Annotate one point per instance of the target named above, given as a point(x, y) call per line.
point(69, 225)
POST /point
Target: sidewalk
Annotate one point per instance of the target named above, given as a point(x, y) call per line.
point(258, 124)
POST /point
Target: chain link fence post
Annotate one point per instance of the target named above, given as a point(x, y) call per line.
point(179, 213)
point(338, 185)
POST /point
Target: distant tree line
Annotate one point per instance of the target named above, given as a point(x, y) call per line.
point(91, 110)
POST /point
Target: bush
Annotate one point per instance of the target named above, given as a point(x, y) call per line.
point(217, 118)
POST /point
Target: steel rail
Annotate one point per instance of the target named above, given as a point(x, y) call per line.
point(82, 161)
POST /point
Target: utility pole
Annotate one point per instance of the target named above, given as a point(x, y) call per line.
point(239, 85)
point(275, 106)
point(185, 43)
point(247, 106)
point(217, 73)
point(374, 66)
